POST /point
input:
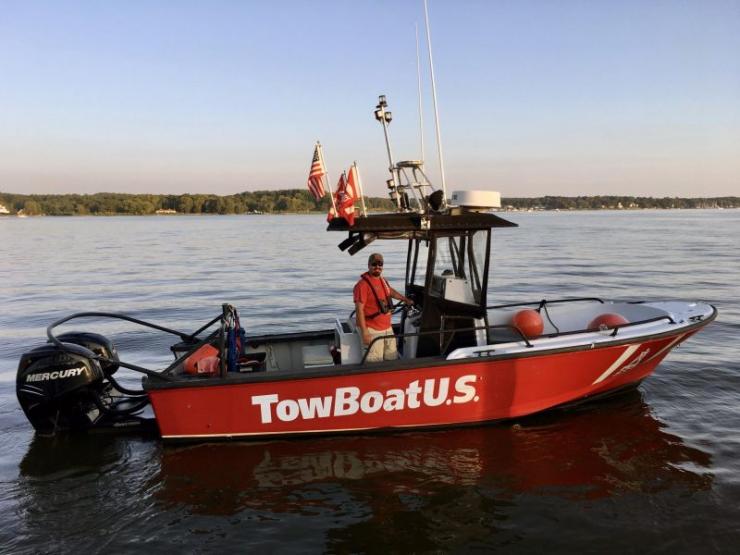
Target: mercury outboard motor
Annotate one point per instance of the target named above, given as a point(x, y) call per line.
point(67, 388)
point(57, 387)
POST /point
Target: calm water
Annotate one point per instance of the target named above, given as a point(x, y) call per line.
point(655, 470)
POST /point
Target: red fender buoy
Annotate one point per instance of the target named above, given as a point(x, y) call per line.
point(606, 321)
point(529, 322)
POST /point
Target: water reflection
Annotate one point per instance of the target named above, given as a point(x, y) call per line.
point(80, 492)
point(487, 486)
point(595, 452)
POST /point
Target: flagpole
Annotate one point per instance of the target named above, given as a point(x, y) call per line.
point(359, 184)
point(328, 181)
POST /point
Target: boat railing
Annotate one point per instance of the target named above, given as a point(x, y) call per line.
point(191, 339)
point(526, 340)
point(614, 329)
point(193, 342)
point(544, 302)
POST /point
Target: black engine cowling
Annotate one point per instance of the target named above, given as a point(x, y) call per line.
point(59, 388)
point(98, 344)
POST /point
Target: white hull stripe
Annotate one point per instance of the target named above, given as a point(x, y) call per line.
point(617, 363)
point(664, 349)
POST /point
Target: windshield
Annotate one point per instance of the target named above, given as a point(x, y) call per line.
point(418, 265)
point(459, 267)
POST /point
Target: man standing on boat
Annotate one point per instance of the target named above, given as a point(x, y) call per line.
point(373, 299)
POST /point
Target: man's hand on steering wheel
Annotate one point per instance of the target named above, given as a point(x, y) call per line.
point(403, 304)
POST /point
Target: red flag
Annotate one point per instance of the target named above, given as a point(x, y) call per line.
point(316, 175)
point(344, 199)
point(353, 183)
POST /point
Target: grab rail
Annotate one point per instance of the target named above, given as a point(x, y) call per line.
point(441, 332)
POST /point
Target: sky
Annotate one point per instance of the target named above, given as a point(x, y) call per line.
point(548, 97)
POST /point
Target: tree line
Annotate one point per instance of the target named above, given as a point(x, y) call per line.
point(254, 202)
point(301, 201)
point(617, 202)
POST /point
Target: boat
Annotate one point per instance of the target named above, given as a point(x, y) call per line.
point(462, 360)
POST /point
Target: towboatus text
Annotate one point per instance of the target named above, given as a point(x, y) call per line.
point(349, 400)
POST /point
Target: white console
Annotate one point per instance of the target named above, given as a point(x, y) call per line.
point(348, 341)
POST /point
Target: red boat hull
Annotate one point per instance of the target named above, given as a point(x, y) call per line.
point(456, 392)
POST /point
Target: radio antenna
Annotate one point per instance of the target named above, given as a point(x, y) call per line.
point(418, 76)
point(436, 110)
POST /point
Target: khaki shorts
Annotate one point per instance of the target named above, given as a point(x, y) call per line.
point(383, 349)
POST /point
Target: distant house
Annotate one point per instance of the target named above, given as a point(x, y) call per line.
point(3, 210)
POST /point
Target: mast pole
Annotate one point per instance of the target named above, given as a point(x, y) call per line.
point(436, 110)
point(384, 117)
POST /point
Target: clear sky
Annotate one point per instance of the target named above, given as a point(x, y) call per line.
point(536, 97)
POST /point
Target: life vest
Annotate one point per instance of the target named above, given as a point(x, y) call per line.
point(385, 306)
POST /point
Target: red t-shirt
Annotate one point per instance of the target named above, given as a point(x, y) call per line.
point(363, 294)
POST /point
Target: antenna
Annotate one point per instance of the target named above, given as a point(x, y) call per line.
point(436, 110)
point(384, 117)
point(418, 76)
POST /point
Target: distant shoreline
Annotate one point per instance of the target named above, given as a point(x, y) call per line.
point(316, 213)
point(497, 211)
point(299, 201)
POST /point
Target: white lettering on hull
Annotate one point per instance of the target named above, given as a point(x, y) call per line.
point(347, 401)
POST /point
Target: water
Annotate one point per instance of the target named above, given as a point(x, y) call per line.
point(657, 469)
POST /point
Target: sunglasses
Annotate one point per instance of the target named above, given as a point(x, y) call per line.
point(376, 264)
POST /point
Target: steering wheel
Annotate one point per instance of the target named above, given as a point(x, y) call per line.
point(397, 307)
point(400, 306)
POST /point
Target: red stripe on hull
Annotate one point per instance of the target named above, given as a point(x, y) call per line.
point(464, 392)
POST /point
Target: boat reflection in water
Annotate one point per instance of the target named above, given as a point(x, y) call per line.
point(590, 453)
point(606, 466)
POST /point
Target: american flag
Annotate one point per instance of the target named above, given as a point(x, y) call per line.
point(316, 175)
